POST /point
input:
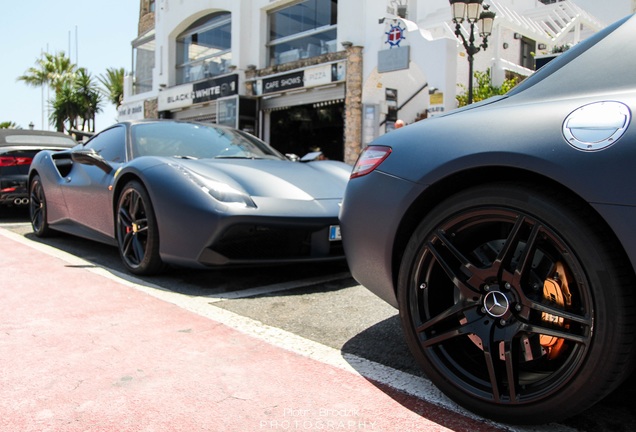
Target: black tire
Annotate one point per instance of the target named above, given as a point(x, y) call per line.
point(38, 211)
point(137, 232)
point(492, 323)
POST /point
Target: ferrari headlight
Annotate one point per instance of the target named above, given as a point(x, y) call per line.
point(227, 194)
point(221, 192)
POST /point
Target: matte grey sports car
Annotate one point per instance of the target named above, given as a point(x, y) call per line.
point(505, 233)
point(17, 149)
point(168, 192)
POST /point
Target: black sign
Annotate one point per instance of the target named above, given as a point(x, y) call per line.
point(214, 88)
point(283, 82)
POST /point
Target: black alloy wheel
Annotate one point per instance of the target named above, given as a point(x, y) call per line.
point(517, 304)
point(137, 233)
point(38, 209)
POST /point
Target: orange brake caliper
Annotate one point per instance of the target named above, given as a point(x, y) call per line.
point(556, 291)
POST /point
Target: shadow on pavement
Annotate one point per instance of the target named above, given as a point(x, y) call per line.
point(392, 350)
point(200, 281)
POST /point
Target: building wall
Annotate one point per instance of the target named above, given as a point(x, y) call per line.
point(426, 85)
point(146, 17)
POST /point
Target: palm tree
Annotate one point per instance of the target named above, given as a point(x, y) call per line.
point(66, 107)
point(113, 82)
point(52, 69)
point(88, 96)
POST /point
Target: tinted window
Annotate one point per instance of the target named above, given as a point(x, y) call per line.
point(197, 141)
point(110, 144)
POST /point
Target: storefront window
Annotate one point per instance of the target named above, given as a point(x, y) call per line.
point(143, 62)
point(205, 49)
point(309, 128)
point(306, 29)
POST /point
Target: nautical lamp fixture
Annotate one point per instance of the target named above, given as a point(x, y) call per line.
point(471, 11)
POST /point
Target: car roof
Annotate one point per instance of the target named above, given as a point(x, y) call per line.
point(29, 137)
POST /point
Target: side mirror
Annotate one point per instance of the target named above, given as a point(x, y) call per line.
point(91, 157)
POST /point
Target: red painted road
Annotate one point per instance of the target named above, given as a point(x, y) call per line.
point(82, 352)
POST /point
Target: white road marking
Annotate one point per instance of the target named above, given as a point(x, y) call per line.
point(267, 289)
point(413, 385)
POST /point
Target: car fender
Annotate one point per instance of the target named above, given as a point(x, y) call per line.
point(178, 203)
point(44, 166)
point(536, 151)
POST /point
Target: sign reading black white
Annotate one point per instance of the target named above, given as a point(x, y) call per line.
point(214, 88)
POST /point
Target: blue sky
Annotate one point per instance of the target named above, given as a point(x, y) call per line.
point(105, 31)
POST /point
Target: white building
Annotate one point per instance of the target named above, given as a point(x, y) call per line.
point(332, 74)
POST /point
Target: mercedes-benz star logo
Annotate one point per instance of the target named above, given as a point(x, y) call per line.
point(496, 304)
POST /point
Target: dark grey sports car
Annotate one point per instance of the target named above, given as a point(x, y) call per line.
point(168, 192)
point(505, 233)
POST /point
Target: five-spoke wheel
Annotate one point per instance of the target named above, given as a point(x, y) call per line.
point(514, 304)
point(137, 233)
point(37, 208)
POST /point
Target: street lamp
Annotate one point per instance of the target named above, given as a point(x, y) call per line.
point(469, 10)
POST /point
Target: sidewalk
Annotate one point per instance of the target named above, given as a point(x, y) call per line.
point(83, 352)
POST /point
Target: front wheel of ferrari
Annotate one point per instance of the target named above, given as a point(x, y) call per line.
point(38, 209)
point(517, 303)
point(137, 232)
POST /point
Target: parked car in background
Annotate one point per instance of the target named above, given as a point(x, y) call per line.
point(169, 192)
point(504, 232)
point(17, 149)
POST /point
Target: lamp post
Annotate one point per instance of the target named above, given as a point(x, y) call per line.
point(470, 10)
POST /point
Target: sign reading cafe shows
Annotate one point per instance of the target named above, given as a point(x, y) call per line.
point(284, 82)
point(310, 77)
point(199, 92)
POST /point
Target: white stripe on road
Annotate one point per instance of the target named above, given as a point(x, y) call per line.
point(268, 289)
point(204, 305)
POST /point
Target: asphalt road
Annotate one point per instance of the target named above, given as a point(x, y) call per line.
point(319, 303)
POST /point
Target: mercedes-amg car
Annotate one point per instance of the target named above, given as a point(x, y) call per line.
point(505, 233)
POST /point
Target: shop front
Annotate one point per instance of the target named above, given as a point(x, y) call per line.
point(303, 111)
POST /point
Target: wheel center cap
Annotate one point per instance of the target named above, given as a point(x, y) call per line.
point(496, 304)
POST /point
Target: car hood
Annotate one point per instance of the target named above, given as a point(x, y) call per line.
point(276, 178)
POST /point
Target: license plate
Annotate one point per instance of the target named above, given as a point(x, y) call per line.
point(334, 233)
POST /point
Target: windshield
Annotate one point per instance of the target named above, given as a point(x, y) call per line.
point(197, 141)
